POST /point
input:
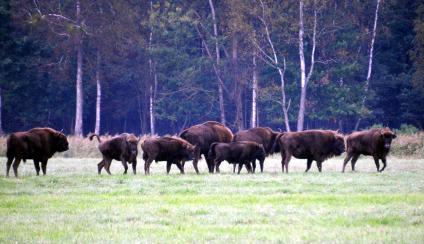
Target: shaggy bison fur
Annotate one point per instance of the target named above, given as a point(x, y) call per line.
point(170, 149)
point(38, 144)
point(262, 135)
point(121, 148)
point(202, 136)
point(374, 142)
point(240, 153)
point(312, 145)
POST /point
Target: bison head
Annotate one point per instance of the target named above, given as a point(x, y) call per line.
point(339, 144)
point(61, 142)
point(190, 150)
point(387, 136)
point(132, 143)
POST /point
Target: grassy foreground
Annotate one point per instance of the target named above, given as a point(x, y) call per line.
point(73, 204)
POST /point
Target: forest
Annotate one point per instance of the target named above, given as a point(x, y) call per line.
point(159, 66)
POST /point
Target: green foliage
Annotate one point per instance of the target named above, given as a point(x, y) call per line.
point(407, 129)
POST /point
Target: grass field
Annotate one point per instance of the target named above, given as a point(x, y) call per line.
point(73, 204)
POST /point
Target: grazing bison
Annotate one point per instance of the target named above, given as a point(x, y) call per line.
point(121, 148)
point(202, 136)
point(38, 144)
point(374, 142)
point(312, 145)
point(170, 149)
point(262, 135)
point(243, 152)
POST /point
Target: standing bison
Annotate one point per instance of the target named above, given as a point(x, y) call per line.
point(262, 135)
point(374, 142)
point(202, 136)
point(240, 153)
point(38, 144)
point(170, 149)
point(121, 148)
point(312, 145)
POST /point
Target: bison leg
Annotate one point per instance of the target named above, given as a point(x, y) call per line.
point(261, 163)
point(240, 165)
point(384, 164)
point(147, 164)
point(168, 166)
point(8, 164)
point(249, 167)
point(100, 166)
point(107, 165)
point(234, 168)
point(253, 165)
point(346, 160)
point(210, 164)
point(286, 162)
point(16, 165)
point(180, 167)
point(37, 166)
point(124, 163)
point(308, 165)
point(44, 166)
point(353, 162)
point(134, 166)
point(377, 164)
point(319, 166)
point(217, 163)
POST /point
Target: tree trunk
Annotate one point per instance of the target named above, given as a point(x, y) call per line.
point(99, 94)
point(367, 82)
point(283, 95)
point(237, 86)
point(153, 80)
point(218, 60)
point(79, 90)
point(254, 92)
point(304, 80)
point(1, 110)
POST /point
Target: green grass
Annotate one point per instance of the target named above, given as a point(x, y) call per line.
point(73, 204)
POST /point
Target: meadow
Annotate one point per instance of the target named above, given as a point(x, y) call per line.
point(74, 204)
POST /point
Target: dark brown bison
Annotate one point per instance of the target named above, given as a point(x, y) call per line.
point(312, 145)
point(202, 136)
point(170, 149)
point(121, 148)
point(262, 135)
point(374, 142)
point(38, 144)
point(244, 152)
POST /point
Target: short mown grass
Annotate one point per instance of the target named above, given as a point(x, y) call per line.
point(74, 204)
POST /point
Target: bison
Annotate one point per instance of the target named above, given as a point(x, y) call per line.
point(121, 148)
point(170, 149)
point(243, 152)
point(38, 144)
point(312, 145)
point(202, 136)
point(374, 142)
point(262, 135)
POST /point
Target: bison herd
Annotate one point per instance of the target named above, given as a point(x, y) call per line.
point(214, 141)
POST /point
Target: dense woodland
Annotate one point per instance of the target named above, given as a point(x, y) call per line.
point(161, 66)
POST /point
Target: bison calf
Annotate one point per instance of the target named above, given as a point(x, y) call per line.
point(244, 152)
point(121, 148)
point(170, 149)
point(312, 145)
point(38, 144)
point(374, 142)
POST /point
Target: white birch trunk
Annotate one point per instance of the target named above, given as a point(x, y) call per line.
point(98, 95)
point(367, 82)
point(254, 92)
point(218, 60)
point(78, 131)
point(153, 81)
point(304, 80)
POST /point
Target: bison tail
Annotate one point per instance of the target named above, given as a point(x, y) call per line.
point(211, 153)
point(276, 145)
point(92, 135)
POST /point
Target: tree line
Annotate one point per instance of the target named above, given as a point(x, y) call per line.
point(158, 66)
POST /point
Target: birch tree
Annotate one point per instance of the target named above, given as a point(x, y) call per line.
point(153, 78)
point(370, 59)
point(273, 60)
point(254, 115)
point(304, 79)
point(98, 94)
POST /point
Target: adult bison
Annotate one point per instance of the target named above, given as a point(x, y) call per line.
point(262, 135)
point(374, 142)
point(38, 144)
point(121, 148)
point(170, 149)
point(202, 136)
point(312, 145)
point(243, 152)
